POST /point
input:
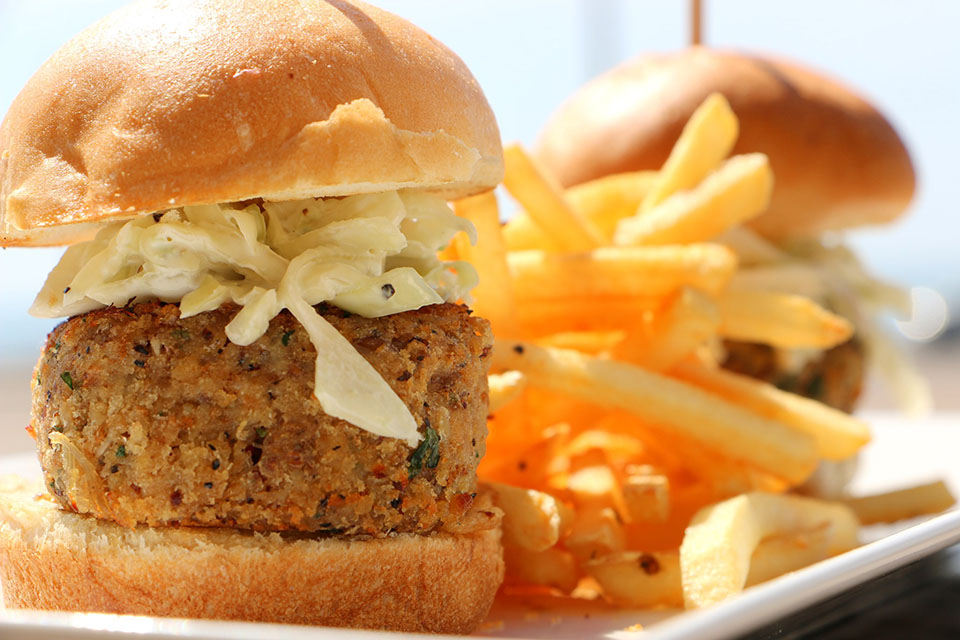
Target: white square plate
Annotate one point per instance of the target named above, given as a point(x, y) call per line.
point(903, 452)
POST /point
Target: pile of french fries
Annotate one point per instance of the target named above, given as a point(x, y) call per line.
point(627, 462)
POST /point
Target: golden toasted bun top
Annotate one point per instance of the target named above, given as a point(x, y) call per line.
point(837, 161)
point(168, 103)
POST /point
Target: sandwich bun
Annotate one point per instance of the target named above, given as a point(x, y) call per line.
point(838, 162)
point(51, 559)
point(169, 104)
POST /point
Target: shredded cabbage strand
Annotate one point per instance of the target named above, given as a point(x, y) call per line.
point(863, 299)
point(371, 254)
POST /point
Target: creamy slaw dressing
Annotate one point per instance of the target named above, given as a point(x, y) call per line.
point(370, 254)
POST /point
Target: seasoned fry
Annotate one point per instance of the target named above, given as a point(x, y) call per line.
point(781, 320)
point(551, 568)
point(596, 531)
point(671, 335)
point(608, 200)
point(493, 296)
point(684, 458)
point(920, 500)
point(837, 435)
point(550, 407)
point(617, 448)
point(646, 468)
point(604, 202)
point(531, 519)
point(739, 190)
point(646, 497)
point(545, 203)
point(504, 388)
point(718, 544)
point(782, 554)
point(576, 314)
point(592, 342)
point(639, 579)
point(530, 462)
point(707, 138)
point(595, 487)
point(727, 428)
point(522, 233)
point(620, 271)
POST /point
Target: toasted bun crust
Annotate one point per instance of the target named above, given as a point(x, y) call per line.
point(50, 559)
point(836, 160)
point(175, 102)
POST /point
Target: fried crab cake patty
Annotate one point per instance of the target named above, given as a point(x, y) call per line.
point(143, 417)
point(834, 377)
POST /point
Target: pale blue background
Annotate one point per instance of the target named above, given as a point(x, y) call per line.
point(529, 54)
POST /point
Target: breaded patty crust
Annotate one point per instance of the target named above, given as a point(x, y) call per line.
point(834, 377)
point(143, 417)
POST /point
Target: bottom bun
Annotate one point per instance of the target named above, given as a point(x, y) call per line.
point(50, 559)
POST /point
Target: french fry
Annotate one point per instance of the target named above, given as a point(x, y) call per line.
point(550, 408)
point(657, 449)
point(592, 342)
point(718, 544)
point(521, 233)
point(920, 500)
point(531, 462)
point(552, 567)
point(504, 388)
point(646, 497)
point(596, 531)
point(837, 435)
point(643, 465)
point(493, 296)
point(511, 428)
point(531, 519)
point(545, 203)
point(587, 459)
point(620, 271)
point(739, 190)
point(556, 404)
point(707, 138)
point(685, 501)
point(685, 459)
point(595, 487)
point(727, 428)
point(604, 202)
point(680, 328)
point(782, 554)
point(639, 579)
point(617, 448)
point(578, 314)
point(781, 320)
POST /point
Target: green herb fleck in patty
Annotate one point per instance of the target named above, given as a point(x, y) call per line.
point(426, 454)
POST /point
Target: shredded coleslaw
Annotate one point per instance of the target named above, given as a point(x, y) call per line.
point(370, 254)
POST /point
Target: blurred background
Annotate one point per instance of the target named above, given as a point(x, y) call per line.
point(529, 54)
